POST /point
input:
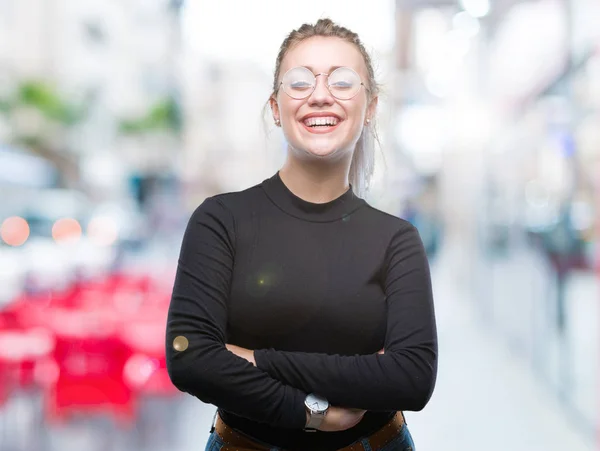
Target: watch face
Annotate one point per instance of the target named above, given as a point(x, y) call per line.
point(316, 403)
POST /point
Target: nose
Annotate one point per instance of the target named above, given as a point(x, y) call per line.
point(321, 95)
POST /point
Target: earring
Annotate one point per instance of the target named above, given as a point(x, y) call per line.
point(368, 121)
point(277, 122)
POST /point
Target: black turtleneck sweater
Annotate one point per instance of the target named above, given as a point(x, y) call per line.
point(316, 290)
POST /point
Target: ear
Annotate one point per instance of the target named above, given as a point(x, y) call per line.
point(274, 108)
point(372, 108)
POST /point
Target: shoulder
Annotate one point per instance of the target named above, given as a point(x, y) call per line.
point(389, 223)
point(229, 205)
point(397, 236)
point(218, 216)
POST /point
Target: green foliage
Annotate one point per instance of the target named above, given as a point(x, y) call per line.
point(43, 97)
point(163, 116)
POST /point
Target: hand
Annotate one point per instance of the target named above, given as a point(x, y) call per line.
point(244, 353)
point(341, 418)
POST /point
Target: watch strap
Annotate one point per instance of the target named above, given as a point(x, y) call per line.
point(314, 421)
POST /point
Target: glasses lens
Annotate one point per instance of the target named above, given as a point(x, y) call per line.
point(344, 83)
point(298, 83)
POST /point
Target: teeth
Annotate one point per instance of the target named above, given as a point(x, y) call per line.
point(314, 121)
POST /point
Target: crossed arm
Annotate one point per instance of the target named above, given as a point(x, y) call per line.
point(248, 354)
point(268, 385)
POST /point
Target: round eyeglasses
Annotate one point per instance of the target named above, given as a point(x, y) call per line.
point(343, 83)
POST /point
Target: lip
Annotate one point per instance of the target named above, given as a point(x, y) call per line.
point(321, 130)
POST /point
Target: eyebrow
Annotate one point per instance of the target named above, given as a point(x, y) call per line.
point(331, 69)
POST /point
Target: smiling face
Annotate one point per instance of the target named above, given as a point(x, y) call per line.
point(321, 125)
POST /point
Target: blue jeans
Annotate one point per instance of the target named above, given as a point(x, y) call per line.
point(402, 442)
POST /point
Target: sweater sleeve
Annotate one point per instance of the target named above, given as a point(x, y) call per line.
point(403, 378)
point(197, 360)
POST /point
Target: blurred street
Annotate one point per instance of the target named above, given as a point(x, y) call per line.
point(486, 398)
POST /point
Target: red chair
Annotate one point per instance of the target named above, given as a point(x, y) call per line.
point(91, 360)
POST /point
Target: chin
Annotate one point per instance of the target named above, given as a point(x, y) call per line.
point(320, 150)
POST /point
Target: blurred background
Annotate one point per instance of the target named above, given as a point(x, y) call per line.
point(118, 117)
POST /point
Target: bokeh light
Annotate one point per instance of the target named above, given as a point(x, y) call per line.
point(14, 231)
point(66, 230)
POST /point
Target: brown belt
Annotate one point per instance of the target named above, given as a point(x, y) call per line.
point(234, 441)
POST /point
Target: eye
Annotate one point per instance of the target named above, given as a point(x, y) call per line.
point(342, 84)
point(300, 85)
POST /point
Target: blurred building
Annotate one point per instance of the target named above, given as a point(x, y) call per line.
point(500, 102)
point(116, 61)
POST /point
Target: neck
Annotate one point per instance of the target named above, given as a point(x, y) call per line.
point(314, 181)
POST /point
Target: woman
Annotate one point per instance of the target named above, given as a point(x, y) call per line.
point(299, 310)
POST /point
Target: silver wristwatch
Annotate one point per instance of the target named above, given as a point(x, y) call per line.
point(317, 408)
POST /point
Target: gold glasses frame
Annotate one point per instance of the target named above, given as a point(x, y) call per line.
point(310, 92)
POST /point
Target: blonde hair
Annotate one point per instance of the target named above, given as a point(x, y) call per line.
point(363, 159)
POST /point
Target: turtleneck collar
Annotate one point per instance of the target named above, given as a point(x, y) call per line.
point(293, 205)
